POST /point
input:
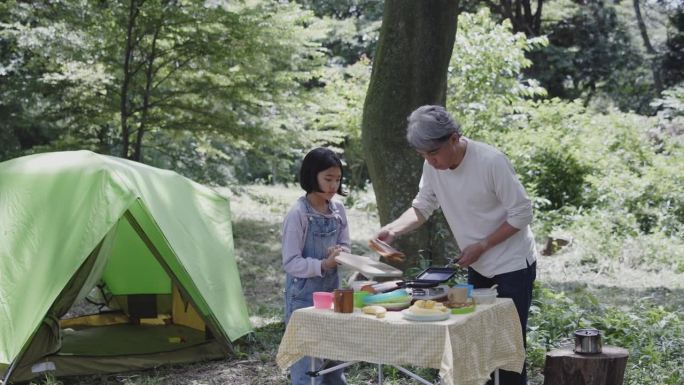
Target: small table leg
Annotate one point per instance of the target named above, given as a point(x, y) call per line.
point(324, 369)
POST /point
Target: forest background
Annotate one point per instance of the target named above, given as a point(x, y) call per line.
point(585, 97)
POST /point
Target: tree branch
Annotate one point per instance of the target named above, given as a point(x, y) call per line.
point(655, 68)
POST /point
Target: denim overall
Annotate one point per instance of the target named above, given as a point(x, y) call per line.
point(321, 233)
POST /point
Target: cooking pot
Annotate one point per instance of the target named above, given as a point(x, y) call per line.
point(587, 341)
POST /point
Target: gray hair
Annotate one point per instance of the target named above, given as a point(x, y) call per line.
point(429, 127)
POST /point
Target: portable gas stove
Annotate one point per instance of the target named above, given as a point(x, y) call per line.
point(427, 293)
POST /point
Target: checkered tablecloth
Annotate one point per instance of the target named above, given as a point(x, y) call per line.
point(465, 348)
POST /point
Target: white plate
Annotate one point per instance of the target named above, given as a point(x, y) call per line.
point(368, 267)
point(428, 317)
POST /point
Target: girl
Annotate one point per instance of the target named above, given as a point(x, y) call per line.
point(314, 231)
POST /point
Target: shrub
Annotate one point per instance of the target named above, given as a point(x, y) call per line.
point(653, 334)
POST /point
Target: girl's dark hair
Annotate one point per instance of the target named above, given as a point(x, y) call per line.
point(315, 161)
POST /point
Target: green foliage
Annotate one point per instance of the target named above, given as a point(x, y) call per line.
point(48, 380)
point(593, 55)
point(653, 334)
point(354, 27)
point(341, 113)
point(205, 84)
point(485, 82)
point(637, 179)
point(673, 58)
point(240, 75)
point(553, 316)
point(611, 179)
point(487, 94)
point(604, 179)
point(672, 99)
point(45, 79)
point(670, 107)
point(546, 154)
point(557, 177)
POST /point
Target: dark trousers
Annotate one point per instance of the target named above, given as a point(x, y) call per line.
point(516, 285)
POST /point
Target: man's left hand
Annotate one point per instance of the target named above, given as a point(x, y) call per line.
point(471, 254)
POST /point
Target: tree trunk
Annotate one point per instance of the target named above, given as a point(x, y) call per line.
point(565, 367)
point(655, 65)
point(409, 70)
point(149, 78)
point(520, 14)
point(127, 78)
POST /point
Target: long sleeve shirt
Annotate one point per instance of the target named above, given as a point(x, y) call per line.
point(476, 198)
point(294, 236)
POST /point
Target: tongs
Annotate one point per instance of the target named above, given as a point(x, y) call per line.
point(452, 261)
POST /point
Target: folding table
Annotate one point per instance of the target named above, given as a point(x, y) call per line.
point(465, 348)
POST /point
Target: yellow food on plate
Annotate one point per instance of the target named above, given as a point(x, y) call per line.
point(428, 307)
point(456, 305)
point(377, 311)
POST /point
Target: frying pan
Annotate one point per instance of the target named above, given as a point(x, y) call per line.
point(430, 277)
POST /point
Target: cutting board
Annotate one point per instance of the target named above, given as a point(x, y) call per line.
point(366, 266)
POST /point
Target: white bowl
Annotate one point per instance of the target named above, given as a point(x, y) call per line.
point(484, 296)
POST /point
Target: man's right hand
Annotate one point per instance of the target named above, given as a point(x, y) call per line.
point(386, 235)
point(410, 220)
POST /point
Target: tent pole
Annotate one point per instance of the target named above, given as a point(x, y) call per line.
point(8, 374)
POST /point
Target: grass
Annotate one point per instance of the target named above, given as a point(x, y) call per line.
point(642, 313)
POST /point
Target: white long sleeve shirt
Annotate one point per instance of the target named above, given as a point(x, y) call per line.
point(476, 198)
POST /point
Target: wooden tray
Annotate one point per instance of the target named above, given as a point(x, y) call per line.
point(366, 266)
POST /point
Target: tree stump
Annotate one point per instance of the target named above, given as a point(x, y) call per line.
point(555, 243)
point(565, 367)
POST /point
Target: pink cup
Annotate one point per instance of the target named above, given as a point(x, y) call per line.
point(323, 300)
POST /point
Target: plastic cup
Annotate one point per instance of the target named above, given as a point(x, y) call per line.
point(484, 296)
point(468, 286)
point(343, 300)
point(358, 298)
point(323, 300)
point(458, 294)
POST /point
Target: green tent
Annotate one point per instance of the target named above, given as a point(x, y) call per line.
point(158, 247)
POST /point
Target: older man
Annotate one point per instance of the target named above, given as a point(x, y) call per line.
point(484, 203)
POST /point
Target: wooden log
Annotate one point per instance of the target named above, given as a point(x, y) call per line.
point(565, 367)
